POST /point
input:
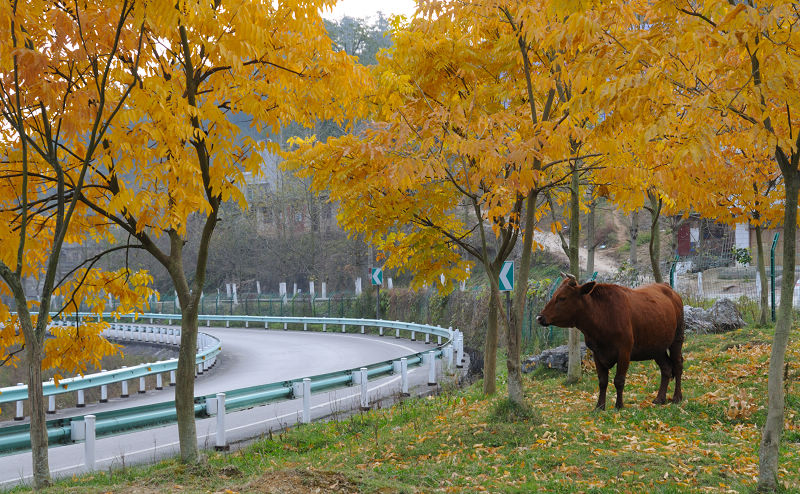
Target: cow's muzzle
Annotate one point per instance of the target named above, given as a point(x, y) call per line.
point(541, 320)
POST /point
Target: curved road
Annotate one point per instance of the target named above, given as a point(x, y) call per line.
point(249, 357)
point(257, 356)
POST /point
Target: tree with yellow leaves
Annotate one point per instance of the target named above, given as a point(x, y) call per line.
point(177, 153)
point(724, 68)
point(469, 125)
point(65, 74)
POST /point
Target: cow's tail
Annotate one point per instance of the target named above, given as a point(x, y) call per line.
point(680, 331)
point(676, 349)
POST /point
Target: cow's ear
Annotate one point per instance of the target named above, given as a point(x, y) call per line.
point(587, 287)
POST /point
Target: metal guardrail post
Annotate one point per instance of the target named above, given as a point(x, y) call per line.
point(142, 385)
point(89, 442)
point(222, 444)
point(20, 413)
point(449, 357)
point(380, 331)
point(51, 404)
point(397, 332)
point(81, 399)
point(363, 380)
point(431, 368)
point(404, 377)
point(172, 378)
point(427, 339)
point(306, 400)
point(459, 350)
point(772, 273)
point(159, 382)
point(124, 383)
point(103, 391)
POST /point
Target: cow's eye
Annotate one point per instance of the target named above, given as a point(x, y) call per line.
point(561, 298)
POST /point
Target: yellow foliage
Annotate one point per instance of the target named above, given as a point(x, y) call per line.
point(63, 86)
point(455, 141)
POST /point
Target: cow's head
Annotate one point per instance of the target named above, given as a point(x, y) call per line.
point(567, 302)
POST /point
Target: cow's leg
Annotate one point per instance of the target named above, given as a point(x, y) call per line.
point(622, 370)
point(676, 358)
point(665, 365)
point(602, 381)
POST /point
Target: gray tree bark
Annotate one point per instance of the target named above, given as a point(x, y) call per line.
point(490, 343)
point(514, 333)
point(762, 273)
point(574, 340)
point(773, 427)
point(34, 353)
point(591, 241)
point(655, 237)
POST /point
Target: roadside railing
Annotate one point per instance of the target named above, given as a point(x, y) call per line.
point(71, 429)
point(208, 347)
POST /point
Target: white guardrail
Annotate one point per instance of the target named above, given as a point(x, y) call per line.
point(78, 428)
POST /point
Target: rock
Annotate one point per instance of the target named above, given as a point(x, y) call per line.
point(697, 320)
point(721, 317)
point(553, 358)
point(725, 316)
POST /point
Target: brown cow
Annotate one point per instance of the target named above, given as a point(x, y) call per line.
point(622, 324)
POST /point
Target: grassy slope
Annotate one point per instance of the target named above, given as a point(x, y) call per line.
point(459, 442)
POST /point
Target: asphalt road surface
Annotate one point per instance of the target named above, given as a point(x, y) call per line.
point(249, 357)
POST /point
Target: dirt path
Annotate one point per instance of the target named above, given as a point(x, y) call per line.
point(602, 262)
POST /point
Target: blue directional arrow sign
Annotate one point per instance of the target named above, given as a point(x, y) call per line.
point(507, 277)
point(377, 276)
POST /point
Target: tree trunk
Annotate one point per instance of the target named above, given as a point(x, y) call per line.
point(514, 334)
point(762, 273)
point(574, 341)
point(634, 235)
point(490, 345)
point(184, 385)
point(773, 428)
point(655, 237)
point(34, 353)
point(38, 426)
point(591, 242)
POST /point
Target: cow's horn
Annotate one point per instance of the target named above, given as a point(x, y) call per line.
point(568, 276)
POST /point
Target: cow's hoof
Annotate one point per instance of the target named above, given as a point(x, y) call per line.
point(677, 399)
point(618, 406)
point(660, 401)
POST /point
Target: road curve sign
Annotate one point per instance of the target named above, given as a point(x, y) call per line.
point(507, 277)
point(377, 276)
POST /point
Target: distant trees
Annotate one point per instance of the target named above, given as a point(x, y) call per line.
point(360, 38)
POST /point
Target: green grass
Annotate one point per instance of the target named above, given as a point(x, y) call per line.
point(462, 441)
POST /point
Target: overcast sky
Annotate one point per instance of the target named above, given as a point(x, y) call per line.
point(370, 8)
